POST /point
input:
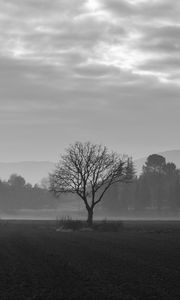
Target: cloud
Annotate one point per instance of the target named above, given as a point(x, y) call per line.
point(100, 70)
point(155, 9)
point(96, 70)
point(161, 40)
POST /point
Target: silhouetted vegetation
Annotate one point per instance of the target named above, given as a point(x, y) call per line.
point(155, 191)
point(17, 194)
point(105, 226)
point(68, 223)
point(89, 170)
point(94, 174)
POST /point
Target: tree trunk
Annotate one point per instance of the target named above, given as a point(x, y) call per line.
point(90, 218)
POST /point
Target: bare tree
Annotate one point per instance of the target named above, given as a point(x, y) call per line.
point(89, 170)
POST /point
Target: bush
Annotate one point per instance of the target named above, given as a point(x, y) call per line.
point(68, 223)
point(106, 226)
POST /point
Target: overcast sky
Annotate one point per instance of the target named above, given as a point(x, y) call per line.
point(107, 71)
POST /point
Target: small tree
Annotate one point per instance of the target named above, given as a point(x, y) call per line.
point(155, 164)
point(16, 181)
point(89, 170)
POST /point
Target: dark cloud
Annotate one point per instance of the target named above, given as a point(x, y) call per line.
point(156, 9)
point(166, 64)
point(96, 70)
point(121, 8)
point(161, 39)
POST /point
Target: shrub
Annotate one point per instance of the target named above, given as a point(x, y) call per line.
point(68, 223)
point(106, 226)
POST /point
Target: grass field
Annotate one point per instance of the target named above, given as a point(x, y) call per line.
point(140, 262)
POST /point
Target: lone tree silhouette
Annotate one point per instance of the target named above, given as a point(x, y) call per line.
point(89, 170)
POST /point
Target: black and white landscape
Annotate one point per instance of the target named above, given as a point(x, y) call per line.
point(90, 149)
point(35, 171)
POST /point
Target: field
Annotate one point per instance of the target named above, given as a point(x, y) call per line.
point(140, 262)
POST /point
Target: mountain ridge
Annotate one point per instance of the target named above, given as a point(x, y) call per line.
point(34, 171)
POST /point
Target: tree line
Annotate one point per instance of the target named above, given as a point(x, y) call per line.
point(155, 191)
point(95, 174)
point(16, 194)
point(102, 180)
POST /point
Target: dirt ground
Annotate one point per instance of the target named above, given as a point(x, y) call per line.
point(140, 262)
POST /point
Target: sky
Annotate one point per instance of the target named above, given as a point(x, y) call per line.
point(105, 71)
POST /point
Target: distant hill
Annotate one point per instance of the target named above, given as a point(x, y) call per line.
point(171, 156)
point(32, 171)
